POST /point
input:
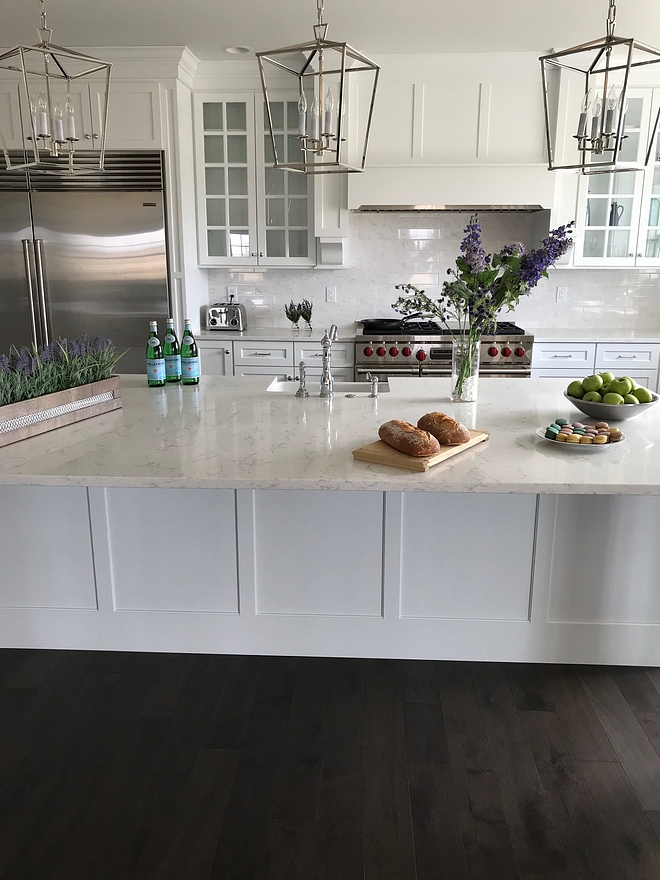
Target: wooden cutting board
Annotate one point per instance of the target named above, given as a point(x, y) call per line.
point(380, 453)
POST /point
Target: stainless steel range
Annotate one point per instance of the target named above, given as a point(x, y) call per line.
point(392, 347)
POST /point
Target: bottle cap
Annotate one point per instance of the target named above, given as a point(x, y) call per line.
point(153, 323)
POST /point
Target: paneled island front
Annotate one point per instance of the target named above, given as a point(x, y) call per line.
point(227, 518)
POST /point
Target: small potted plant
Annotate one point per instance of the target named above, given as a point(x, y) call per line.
point(292, 311)
point(305, 311)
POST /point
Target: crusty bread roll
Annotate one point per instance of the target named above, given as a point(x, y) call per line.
point(407, 438)
point(447, 431)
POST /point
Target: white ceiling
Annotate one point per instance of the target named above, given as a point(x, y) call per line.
point(373, 26)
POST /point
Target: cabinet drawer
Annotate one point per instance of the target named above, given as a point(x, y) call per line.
point(342, 354)
point(576, 373)
point(561, 356)
point(283, 374)
point(313, 376)
point(620, 358)
point(273, 354)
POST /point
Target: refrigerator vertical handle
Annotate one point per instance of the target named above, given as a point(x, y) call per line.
point(27, 243)
point(41, 288)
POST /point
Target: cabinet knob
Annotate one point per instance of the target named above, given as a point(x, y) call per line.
point(260, 254)
point(631, 255)
point(639, 255)
point(227, 351)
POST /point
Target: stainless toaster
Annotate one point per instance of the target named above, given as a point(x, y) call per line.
point(226, 316)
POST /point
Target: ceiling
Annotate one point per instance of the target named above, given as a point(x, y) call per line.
point(207, 27)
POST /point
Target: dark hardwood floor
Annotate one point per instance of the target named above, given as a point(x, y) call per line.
point(175, 767)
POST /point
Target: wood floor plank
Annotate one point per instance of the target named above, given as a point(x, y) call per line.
point(439, 851)
point(389, 850)
point(167, 686)
point(466, 738)
point(27, 668)
point(241, 849)
point(418, 681)
point(583, 835)
point(340, 835)
point(234, 704)
point(529, 687)
point(535, 841)
point(487, 843)
point(290, 850)
point(636, 847)
point(654, 818)
point(650, 722)
point(426, 740)
point(637, 688)
point(636, 754)
point(581, 724)
point(196, 827)
point(278, 677)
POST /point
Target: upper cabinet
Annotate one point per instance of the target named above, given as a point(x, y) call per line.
point(250, 213)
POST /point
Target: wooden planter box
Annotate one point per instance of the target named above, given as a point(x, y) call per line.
point(40, 414)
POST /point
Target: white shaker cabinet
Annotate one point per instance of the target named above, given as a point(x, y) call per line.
point(215, 359)
point(575, 360)
point(570, 358)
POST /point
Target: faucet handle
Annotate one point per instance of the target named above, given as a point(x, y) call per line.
point(333, 332)
point(302, 389)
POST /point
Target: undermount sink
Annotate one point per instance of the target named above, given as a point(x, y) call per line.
point(361, 389)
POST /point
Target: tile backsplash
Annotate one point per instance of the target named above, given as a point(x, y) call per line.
point(389, 249)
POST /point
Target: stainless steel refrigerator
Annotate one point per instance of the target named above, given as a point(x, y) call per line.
point(84, 255)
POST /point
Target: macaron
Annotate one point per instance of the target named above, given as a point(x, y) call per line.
point(601, 425)
point(561, 422)
point(561, 437)
point(578, 425)
point(572, 438)
point(586, 439)
point(599, 439)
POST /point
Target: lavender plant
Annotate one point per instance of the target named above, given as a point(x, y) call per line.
point(305, 311)
point(484, 285)
point(62, 364)
point(292, 311)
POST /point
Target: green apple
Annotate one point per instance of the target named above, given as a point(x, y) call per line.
point(605, 388)
point(643, 395)
point(630, 398)
point(575, 389)
point(606, 377)
point(633, 384)
point(592, 383)
point(620, 386)
point(612, 397)
point(594, 397)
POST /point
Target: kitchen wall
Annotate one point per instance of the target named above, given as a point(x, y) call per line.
point(389, 249)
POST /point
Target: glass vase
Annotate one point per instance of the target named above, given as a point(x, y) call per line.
point(465, 368)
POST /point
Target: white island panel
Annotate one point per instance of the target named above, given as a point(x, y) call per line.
point(46, 556)
point(606, 559)
point(318, 553)
point(467, 557)
point(173, 549)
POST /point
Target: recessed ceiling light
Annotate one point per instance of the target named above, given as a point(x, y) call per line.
point(238, 50)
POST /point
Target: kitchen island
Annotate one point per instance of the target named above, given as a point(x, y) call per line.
point(191, 520)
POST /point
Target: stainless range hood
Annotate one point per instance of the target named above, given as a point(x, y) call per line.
point(448, 209)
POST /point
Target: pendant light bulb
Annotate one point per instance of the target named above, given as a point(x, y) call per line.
point(586, 101)
point(612, 99)
point(42, 116)
point(302, 103)
point(328, 106)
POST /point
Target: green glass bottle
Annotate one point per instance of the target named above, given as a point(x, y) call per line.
point(155, 359)
point(189, 356)
point(172, 354)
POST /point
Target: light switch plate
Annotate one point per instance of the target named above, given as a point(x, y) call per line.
point(331, 294)
point(561, 295)
point(232, 290)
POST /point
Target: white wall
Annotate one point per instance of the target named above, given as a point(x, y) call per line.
point(389, 249)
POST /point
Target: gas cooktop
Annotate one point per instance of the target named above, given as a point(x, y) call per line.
point(375, 326)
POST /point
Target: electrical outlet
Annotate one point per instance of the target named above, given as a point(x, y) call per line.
point(232, 290)
point(561, 295)
point(331, 294)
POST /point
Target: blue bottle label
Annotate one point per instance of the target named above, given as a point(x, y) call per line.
point(169, 337)
point(187, 339)
point(156, 368)
point(153, 341)
point(190, 368)
point(173, 364)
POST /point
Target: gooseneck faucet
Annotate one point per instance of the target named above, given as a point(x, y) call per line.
point(374, 385)
point(326, 375)
point(302, 388)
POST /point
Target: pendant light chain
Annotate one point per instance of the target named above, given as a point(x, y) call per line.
point(320, 4)
point(611, 19)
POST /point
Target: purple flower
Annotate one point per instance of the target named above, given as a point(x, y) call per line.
point(536, 262)
point(100, 343)
point(73, 348)
point(24, 362)
point(472, 249)
point(516, 249)
point(4, 363)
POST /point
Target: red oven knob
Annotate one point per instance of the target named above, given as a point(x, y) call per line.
point(406, 352)
point(492, 351)
point(394, 351)
point(421, 355)
point(381, 352)
point(519, 352)
point(506, 351)
point(368, 351)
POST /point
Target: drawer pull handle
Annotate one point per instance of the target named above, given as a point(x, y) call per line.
point(626, 357)
point(263, 354)
point(569, 356)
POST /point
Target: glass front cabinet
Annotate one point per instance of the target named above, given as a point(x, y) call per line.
point(250, 213)
point(618, 214)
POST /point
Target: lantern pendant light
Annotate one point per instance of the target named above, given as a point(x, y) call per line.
point(55, 86)
point(330, 127)
point(603, 69)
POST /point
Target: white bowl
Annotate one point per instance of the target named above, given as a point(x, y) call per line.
point(610, 412)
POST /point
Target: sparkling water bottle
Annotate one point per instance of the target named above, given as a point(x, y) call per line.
point(172, 354)
point(155, 359)
point(189, 356)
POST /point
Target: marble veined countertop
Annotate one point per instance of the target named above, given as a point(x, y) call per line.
point(586, 335)
point(233, 433)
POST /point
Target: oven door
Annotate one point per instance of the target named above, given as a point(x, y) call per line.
point(487, 372)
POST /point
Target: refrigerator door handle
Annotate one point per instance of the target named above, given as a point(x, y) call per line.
point(34, 320)
point(41, 288)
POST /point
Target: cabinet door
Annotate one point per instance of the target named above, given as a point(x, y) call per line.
point(10, 117)
point(621, 357)
point(564, 355)
point(226, 185)
point(134, 119)
point(271, 354)
point(215, 359)
point(284, 198)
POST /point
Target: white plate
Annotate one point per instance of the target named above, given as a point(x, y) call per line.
point(578, 447)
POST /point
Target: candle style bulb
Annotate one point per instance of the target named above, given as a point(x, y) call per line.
point(329, 106)
point(42, 116)
point(610, 110)
point(584, 109)
point(58, 124)
point(33, 114)
point(595, 119)
point(314, 119)
point(70, 119)
point(302, 115)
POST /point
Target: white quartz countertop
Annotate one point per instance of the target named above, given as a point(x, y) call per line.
point(596, 335)
point(276, 334)
point(233, 433)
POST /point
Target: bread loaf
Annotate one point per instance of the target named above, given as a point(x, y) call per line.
point(447, 431)
point(407, 438)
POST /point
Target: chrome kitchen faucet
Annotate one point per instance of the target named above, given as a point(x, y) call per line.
point(326, 375)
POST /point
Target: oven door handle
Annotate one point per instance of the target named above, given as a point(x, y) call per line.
point(387, 371)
